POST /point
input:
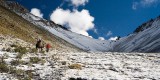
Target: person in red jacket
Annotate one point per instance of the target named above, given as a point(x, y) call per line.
point(47, 47)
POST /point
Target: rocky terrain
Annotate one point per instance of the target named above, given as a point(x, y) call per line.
point(14, 25)
point(63, 65)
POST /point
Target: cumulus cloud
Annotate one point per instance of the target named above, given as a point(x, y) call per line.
point(101, 38)
point(144, 3)
point(79, 2)
point(148, 2)
point(134, 6)
point(113, 38)
point(95, 30)
point(109, 33)
point(36, 12)
point(78, 21)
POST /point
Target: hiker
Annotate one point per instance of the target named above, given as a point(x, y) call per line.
point(39, 45)
point(47, 47)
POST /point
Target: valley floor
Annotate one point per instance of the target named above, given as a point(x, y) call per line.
point(91, 66)
point(60, 65)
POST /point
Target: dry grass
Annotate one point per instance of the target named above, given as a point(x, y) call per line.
point(12, 24)
point(75, 66)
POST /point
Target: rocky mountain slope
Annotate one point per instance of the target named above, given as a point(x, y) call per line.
point(146, 38)
point(83, 42)
point(14, 25)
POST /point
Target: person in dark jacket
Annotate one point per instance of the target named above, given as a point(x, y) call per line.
point(39, 45)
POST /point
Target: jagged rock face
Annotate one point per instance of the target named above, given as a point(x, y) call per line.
point(145, 39)
point(144, 26)
point(14, 6)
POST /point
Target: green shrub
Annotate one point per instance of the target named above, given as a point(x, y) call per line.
point(42, 52)
point(3, 49)
point(64, 62)
point(19, 72)
point(3, 67)
point(19, 55)
point(42, 61)
point(33, 50)
point(2, 59)
point(5, 55)
point(16, 62)
point(12, 70)
point(27, 78)
point(21, 50)
point(77, 79)
point(14, 45)
point(29, 73)
point(75, 66)
point(8, 50)
point(35, 59)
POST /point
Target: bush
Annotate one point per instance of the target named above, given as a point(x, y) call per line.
point(33, 50)
point(16, 62)
point(19, 56)
point(21, 50)
point(64, 62)
point(19, 72)
point(8, 50)
point(75, 66)
point(2, 59)
point(14, 45)
point(35, 59)
point(42, 61)
point(29, 73)
point(5, 55)
point(27, 78)
point(77, 79)
point(12, 70)
point(3, 49)
point(3, 67)
point(42, 52)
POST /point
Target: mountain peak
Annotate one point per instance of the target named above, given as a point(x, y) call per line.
point(144, 26)
point(14, 6)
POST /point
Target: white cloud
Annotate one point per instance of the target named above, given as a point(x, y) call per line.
point(109, 33)
point(78, 21)
point(95, 31)
point(113, 38)
point(134, 6)
point(101, 38)
point(36, 12)
point(79, 2)
point(148, 2)
point(144, 3)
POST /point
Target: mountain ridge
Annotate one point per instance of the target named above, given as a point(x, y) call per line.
point(14, 25)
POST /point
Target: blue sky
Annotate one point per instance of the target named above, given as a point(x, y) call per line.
point(107, 18)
